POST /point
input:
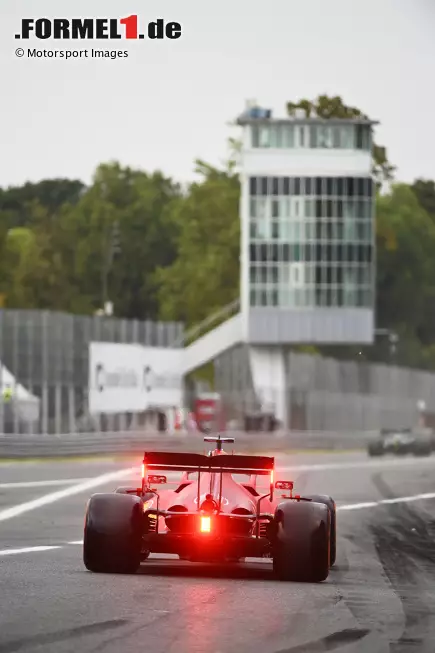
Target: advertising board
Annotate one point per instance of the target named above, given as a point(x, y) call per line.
point(132, 378)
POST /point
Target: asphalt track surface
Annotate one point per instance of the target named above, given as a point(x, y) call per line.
point(380, 596)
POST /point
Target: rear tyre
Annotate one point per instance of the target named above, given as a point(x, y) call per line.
point(113, 534)
point(329, 501)
point(422, 449)
point(375, 449)
point(145, 554)
point(301, 547)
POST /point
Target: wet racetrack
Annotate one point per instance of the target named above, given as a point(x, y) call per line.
point(379, 597)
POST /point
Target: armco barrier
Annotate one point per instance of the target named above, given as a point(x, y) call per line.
point(108, 443)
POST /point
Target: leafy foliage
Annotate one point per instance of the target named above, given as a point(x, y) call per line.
point(15, 202)
point(205, 275)
point(70, 263)
point(425, 193)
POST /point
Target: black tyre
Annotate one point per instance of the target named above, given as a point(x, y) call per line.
point(375, 449)
point(329, 501)
point(148, 495)
point(422, 449)
point(301, 545)
point(113, 533)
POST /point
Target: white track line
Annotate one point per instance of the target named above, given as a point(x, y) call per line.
point(362, 464)
point(29, 484)
point(29, 549)
point(45, 500)
point(386, 502)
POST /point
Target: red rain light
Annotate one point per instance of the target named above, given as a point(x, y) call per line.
point(205, 524)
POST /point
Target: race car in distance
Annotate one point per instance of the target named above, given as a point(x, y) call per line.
point(400, 442)
point(211, 517)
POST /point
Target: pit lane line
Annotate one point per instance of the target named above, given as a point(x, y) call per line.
point(34, 484)
point(344, 507)
point(361, 464)
point(28, 549)
point(47, 499)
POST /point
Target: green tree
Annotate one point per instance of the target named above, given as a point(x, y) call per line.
point(15, 201)
point(333, 107)
point(65, 256)
point(32, 259)
point(37, 273)
point(4, 280)
point(405, 271)
point(205, 275)
point(122, 233)
point(424, 189)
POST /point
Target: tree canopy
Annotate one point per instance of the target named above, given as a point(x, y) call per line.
point(104, 243)
point(162, 252)
point(424, 190)
point(205, 275)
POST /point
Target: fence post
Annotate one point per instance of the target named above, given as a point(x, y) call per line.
point(44, 398)
point(16, 370)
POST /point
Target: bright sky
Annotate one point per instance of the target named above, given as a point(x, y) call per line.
point(169, 102)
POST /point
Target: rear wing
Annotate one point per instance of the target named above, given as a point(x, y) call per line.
point(224, 463)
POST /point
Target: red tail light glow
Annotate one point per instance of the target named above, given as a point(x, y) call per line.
point(272, 484)
point(205, 524)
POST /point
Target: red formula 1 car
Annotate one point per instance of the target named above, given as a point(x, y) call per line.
point(211, 517)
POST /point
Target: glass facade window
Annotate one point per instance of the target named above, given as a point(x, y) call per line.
point(311, 242)
point(315, 136)
point(288, 132)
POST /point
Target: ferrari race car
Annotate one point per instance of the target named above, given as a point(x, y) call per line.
point(211, 517)
point(400, 442)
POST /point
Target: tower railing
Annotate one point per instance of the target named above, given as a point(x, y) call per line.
point(199, 329)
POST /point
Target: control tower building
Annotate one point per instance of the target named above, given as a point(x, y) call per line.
point(307, 246)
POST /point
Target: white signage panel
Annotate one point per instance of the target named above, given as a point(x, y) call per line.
point(132, 378)
point(163, 376)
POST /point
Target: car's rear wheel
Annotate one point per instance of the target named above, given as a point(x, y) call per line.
point(375, 449)
point(329, 501)
point(113, 533)
point(422, 449)
point(301, 547)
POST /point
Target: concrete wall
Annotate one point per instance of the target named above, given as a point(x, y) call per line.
point(314, 393)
